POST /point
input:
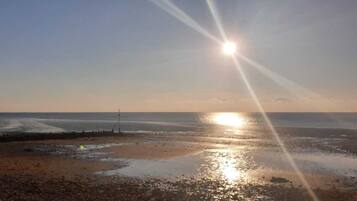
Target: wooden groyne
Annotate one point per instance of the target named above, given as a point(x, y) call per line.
point(29, 136)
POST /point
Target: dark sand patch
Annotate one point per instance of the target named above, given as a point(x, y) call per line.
point(30, 187)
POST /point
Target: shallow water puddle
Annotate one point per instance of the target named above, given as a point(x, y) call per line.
point(235, 165)
point(220, 164)
point(310, 162)
point(165, 168)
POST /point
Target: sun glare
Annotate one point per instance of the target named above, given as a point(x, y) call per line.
point(229, 119)
point(229, 48)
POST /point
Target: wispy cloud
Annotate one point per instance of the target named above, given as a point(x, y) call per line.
point(283, 99)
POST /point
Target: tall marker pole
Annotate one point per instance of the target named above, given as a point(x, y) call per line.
point(119, 121)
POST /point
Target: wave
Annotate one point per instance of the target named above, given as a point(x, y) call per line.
point(161, 132)
point(11, 124)
point(28, 125)
point(186, 125)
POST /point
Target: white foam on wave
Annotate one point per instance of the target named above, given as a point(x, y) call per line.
point(162, 123)
point(11, 124)
point(28, 125)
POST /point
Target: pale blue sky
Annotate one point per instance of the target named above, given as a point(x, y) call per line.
point(85, 55)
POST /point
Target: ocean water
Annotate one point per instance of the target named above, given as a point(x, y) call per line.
point(168, 122)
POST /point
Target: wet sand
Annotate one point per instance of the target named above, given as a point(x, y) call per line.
point(161, 167)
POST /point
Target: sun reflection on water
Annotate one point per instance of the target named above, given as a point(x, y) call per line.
point(228, 168)
point(227, 165)
point(226, 122)
point(230, 119)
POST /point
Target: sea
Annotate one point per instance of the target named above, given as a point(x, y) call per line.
point(169, 122)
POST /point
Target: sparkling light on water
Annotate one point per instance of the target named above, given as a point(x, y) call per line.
point(228, 119)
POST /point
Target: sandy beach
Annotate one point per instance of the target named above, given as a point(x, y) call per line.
point(161, 167)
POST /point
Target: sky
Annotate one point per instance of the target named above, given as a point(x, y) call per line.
point(84, 56)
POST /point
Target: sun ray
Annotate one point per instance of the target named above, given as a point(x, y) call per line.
point(279, 79)
point(292, 87)
point(274, 132)
point(216, 18)
point(176, 12)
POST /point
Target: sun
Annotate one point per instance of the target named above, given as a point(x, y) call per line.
point(229, 48)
